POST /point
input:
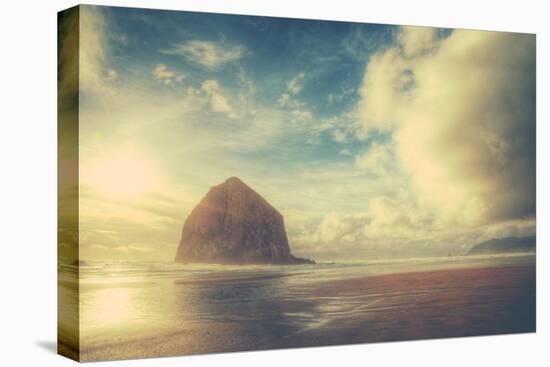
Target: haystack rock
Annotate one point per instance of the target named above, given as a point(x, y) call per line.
point(233, 224)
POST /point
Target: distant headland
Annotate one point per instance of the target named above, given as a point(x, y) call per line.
point(505, 245)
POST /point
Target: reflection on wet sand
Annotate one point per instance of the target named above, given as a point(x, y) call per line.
point(190, 312)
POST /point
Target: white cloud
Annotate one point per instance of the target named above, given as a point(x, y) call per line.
point(164, 75)
point(339, 136)
point(295, 85)
point(285, 100)
point(218, 102)
point(340, 128)
point(334, 227)
point(95, 70)
point(381, 100)
point(298, 109)
point(339, 97)
point(385, 223)
point(360, 43)
point(462, 114)
point(208, 54)
point(301, 115)
point(416, 40)
point(393, 228)
point(378, 160)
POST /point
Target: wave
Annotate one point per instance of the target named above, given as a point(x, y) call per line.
point(128, 271)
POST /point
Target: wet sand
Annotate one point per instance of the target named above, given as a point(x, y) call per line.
point(439, 304)
point(380, 308)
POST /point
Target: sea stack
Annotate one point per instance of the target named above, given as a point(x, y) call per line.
point(233, 224)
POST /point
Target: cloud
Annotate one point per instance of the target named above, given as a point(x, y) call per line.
point(301, 115)
point(361, 43)
point(378, 160)
point(298, 109)
point(285, 100)
point(461, 111)
point(339, 136)
point(163, 74)
point(416, 40)
point(218, 102)
point(211, 55)
point(95, 70)
point(295, 85)
point(344, 94)
point(335, 227)
point(381, 100)
point(393, 228)
point(385, 223)
point(341, 128)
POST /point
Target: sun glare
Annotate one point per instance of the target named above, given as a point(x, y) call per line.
point(124, 173)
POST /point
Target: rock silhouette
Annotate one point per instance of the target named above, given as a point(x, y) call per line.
point(233, 224)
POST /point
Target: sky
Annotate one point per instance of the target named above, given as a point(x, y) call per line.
point(371, 140)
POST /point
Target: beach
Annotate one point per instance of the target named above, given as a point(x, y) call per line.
point(177, 312)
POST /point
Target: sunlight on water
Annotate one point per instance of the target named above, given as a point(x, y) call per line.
point(112, 306)
point(121, 301)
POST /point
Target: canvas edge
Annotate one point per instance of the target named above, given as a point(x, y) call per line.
point(68, 307)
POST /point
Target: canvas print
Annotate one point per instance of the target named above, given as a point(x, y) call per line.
point(241, 183)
